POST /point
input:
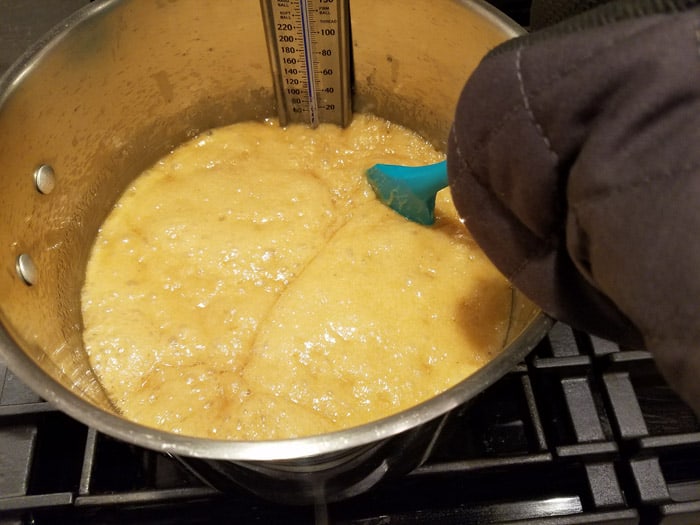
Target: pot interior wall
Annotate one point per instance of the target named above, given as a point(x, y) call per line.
point(102, 101)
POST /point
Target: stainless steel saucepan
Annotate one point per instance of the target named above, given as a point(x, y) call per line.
point(117, 86)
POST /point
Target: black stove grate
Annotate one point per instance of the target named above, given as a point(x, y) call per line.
point(581, 432)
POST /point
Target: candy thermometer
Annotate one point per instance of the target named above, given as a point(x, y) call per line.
point(310, 56)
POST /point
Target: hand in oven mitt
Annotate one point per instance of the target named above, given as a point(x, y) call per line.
point(574, 160)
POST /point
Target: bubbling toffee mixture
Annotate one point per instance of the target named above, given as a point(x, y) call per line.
point(250, 286)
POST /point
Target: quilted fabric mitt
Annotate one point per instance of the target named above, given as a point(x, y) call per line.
point(574, 160)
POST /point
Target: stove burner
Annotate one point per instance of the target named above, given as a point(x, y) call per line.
point(582, 431)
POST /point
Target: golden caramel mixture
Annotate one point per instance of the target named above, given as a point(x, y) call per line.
point(250, 286)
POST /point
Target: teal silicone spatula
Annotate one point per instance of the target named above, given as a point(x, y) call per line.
point(409, 190)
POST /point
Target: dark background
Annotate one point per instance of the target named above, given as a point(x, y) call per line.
point(22, 22)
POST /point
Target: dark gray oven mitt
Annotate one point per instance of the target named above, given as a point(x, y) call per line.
point(575, 162)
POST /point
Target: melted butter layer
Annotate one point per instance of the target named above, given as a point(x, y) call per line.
point(250, 286)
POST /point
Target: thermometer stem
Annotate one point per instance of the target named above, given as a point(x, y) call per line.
point(308, 63)
point(309, 48)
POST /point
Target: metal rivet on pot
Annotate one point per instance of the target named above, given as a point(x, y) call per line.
point(45, 179)
point(26, 269)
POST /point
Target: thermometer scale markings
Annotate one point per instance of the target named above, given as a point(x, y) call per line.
point(308, 45)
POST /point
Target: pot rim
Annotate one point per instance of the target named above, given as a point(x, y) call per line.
point(113, 425)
